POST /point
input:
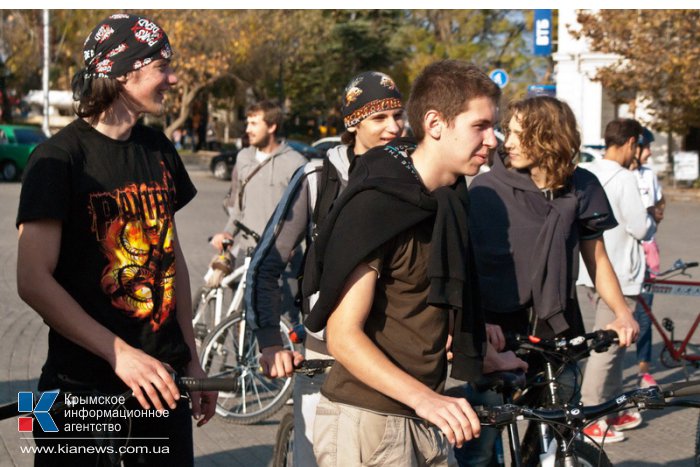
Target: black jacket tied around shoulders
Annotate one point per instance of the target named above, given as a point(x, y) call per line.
point(385, 197)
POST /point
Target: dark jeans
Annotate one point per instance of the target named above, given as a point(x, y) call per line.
point(644, 341)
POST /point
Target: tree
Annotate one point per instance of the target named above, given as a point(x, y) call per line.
point(488, 38)
point(333, 46)
point(659, 53)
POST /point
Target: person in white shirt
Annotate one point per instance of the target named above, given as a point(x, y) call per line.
point(603, 377)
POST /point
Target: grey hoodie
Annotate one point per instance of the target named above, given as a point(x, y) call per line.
point(263, 191)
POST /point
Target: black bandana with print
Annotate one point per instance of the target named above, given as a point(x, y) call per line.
point(119, 44)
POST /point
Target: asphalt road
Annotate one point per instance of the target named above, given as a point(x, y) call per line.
point(666, 437)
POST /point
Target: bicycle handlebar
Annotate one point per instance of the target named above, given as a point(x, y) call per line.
point(678, 265)
point(246, 230)
point(313, 367)
point(600, 341)
point(648, 398)
point(206, 384)
point(682, 389)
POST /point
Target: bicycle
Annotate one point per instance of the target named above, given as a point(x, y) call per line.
point(674, 352)
point(282, 454)
point(229, 349)
point(570, 420)
point(541, 444)
point(220, 281)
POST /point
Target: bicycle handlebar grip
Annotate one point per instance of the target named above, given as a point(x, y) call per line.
point(603, 339)
point(8, 410)
point(692, 264)
point(208, 384)
point(686, 388)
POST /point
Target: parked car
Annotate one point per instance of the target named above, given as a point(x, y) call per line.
point(590, 153)
point(324, 144)
point(222, 164)
point(308, 151)
point(16, 144)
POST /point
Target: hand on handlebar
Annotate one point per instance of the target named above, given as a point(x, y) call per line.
point(148, 378)
point(203, 402)
point(627, 329)
point(217, 240)
point(276, 361)
point(453, 416)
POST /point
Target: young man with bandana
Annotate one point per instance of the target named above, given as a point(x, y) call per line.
point(373, 114)
point(387, 301)
point(99, 257)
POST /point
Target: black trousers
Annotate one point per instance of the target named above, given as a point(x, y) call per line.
point(104, 433)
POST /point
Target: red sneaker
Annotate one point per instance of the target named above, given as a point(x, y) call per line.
point(599, 432)
point(626, 420)
point(647, 381)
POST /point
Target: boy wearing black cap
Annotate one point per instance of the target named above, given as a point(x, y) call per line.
point(386, 302)
point(99, 257)
point(373, 115)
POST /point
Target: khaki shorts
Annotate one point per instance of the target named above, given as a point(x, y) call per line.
point(347, 436)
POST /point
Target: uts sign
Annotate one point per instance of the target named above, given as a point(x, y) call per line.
point(543, 32)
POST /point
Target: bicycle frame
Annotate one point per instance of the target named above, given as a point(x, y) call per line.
point(672, 287)
point(238, 275)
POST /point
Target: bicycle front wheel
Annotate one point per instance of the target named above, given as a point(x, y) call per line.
point(586, 455)
point(256, 397)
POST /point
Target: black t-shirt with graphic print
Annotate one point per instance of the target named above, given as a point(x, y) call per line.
point(116, 201)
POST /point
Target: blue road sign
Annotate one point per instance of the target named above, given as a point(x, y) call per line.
point(542, 90)
point(543, 32)
point(499, 76)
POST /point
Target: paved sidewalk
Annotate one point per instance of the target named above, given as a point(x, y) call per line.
point(666, 437)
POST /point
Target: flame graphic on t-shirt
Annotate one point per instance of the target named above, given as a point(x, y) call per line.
point(138, 244)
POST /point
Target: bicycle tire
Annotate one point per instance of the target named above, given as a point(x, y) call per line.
point(282, 455)
point(203, 310)
point(257, 397)
point(587, 455)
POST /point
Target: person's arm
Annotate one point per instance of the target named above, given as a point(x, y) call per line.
point(37, 256)
point(351, 347)
point(203, 403)
point(608, 287)
point(634, 216)
point(282, 235)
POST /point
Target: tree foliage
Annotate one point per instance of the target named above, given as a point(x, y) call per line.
point(659, 53)
point(303, 58)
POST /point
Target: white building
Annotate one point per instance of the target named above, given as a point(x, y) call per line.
point(576, 66)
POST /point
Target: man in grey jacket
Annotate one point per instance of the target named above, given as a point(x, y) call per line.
point(260, 176)
point(603, 377)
